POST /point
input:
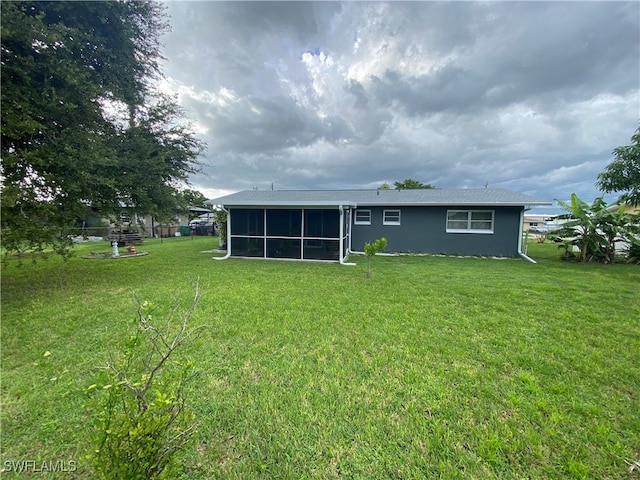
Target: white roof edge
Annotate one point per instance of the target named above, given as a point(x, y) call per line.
point(279, 203)
point(380, 204)
point(455, 204)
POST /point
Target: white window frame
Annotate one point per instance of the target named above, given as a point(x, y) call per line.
point(469, 229)
point(362, 222)
point(386, 221)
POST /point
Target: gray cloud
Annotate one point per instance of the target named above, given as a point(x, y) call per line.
point(531, 96)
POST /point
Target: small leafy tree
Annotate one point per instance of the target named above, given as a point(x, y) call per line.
point(370, 249)
point(140, 403)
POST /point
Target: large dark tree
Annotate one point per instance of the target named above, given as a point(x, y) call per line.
point(623, 173)
point(81, 123)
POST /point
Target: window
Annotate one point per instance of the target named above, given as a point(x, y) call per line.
point(363, 217)
point(391, 217)
point(470, 221)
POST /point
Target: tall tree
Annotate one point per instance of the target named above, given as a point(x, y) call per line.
point(194, 198)
point(81, 123)
point(623, 173)
point(411, 184)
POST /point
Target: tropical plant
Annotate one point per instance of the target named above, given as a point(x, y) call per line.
point(633, 253)
point(594, 229)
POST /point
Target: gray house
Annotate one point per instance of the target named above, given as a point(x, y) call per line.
point(330, 224)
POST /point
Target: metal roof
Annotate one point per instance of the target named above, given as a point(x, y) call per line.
point(353, 198)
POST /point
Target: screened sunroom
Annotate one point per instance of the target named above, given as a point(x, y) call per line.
point(305, 233)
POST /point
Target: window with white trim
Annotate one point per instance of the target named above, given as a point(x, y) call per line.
point(470, 221)
point(391, 217)
point(362, 217)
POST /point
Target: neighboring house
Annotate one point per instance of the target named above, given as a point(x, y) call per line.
point(539, 223)
point(148, 226)
point(130, 221)
point(328, 225)
point(628, 208)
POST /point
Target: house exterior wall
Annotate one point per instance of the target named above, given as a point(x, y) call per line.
point(423, 230)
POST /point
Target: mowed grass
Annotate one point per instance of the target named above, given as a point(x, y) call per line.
point(436, 367)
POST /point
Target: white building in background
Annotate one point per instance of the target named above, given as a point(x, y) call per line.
point(541, 223)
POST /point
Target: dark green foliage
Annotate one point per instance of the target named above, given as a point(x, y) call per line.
point(411, 184)
point(139, 402)
point(623, 173)
point(633, 253)
point(194, 198)
point(81, 124)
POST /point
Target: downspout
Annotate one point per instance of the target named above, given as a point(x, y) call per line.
point(351, 250)
point(341, 250)
point(350, 229)
point(520, 252)
point(228, 235)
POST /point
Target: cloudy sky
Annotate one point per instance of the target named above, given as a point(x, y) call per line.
point(531, 97)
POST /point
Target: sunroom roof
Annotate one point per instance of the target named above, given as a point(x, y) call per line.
point(354, 198)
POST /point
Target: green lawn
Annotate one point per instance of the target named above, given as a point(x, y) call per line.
point(436, 367)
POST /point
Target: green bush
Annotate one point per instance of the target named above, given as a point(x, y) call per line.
point(139, 405)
